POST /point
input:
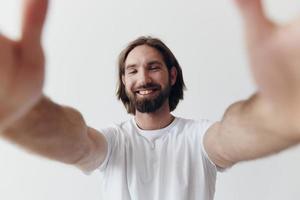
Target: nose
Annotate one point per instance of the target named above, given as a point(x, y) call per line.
point(144, 77)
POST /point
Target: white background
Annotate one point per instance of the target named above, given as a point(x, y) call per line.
point(82, 41)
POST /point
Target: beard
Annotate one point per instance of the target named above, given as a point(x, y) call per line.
point(149, 104)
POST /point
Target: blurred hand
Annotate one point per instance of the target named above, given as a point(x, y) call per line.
point(274, 53)
point(22, 65)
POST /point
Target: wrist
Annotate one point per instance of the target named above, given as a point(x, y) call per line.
point(10, 112)
point(275, 116)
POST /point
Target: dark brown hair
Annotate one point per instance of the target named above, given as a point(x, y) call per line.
point(177, 89)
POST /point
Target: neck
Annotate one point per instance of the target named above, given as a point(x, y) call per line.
point(156, 120)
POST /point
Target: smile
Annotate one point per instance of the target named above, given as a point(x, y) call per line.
point(145, 92)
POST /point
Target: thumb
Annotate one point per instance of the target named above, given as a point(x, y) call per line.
point(254, 16)
point(34, 16)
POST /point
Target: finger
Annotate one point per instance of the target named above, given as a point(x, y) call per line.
point(254, 16)
point(33, 20)
point(6, 63)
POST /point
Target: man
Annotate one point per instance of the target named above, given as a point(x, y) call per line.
point(155, 155)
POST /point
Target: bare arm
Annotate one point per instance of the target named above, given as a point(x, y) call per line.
point(269, 121)
point(249, 130)
point(59, 133)
point(29, 119)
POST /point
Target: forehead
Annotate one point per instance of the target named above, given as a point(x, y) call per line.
point(143, 54)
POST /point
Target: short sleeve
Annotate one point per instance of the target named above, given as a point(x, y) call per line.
point(206, 124)
point(110, 136)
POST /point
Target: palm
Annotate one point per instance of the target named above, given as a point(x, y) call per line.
point(22, 64)
point(274, 54)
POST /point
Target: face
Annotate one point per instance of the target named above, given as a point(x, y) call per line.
point(147, 80)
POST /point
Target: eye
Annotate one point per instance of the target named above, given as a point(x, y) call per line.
point(154, 67)
point(131, 71)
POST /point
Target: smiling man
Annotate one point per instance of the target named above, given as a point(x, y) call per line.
point(155, 155)
point(146, 77)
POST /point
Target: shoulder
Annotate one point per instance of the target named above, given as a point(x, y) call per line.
point(202, 124)
point(116, 128)
point(193, 129)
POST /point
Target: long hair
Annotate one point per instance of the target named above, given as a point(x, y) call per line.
point(177, 89)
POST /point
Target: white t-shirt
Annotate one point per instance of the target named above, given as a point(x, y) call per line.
point(164, 164)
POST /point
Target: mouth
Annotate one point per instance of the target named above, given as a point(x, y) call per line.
point(146, 92)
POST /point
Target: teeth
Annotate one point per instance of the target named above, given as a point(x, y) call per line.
point(145, 92)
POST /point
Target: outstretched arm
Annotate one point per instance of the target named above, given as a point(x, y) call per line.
point(58, 133)
point(22, 65)
point(29, 119)
point(269, 121)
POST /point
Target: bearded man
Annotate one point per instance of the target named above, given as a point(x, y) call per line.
point(155, 155)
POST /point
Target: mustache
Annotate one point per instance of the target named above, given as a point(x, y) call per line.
point(149, 86)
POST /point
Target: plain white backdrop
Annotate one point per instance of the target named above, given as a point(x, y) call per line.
point(82, 41)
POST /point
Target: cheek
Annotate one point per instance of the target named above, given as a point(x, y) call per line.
point(128, 85)
point(164, 79)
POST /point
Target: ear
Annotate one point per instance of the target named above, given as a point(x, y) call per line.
point(173, 75)
point(123, 79)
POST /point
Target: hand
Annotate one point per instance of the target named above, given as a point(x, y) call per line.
point(274, 53)
point(22, 65)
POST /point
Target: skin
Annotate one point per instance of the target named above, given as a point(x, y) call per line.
point(22, 65)
point(268, 122)
point(264, 124)
point(138, 72)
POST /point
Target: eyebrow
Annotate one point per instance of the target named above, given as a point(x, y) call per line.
point(154, 62)
point(130, 66)
point(149, 63)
